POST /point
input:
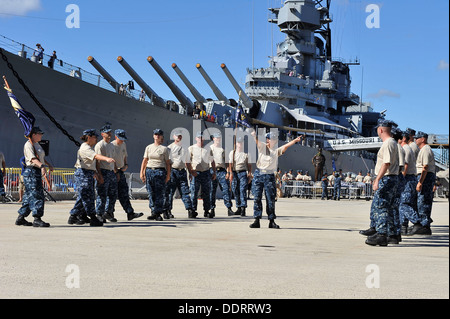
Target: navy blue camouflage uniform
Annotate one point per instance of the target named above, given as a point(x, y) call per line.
point(240, 186)
point(33, 198)
point(178, 180)
point(155, 182)
point(408, 200)
point(224, 185)
point(382, 209)
point(425, 199)
point(264, 181)
point(85, 203)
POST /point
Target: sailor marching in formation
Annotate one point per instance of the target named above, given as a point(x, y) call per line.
point(405, 177)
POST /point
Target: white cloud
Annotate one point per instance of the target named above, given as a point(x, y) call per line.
point(383, 93)
point(443, 65)
point(18, 7)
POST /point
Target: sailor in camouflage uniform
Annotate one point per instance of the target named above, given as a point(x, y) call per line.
point(408, 198)
point(426, 178)
point(202, 159)
point(85, 174)
point(264, 177)
point(397, 135)
point(412, 144)
point(107, 179)
point(223, 176)
point(385, 187)
point(34, 198)
point(179, 159)
point(155, 173)
point(240, 170)
point(121, 156)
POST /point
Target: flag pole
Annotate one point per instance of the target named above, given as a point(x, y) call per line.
point(6, 83)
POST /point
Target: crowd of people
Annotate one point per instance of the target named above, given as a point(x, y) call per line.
point(403, 183)
point(100, 179)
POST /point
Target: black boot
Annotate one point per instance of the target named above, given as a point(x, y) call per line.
point(206, 214)
point(238, 211)
point(377, 240)
point(192, 214)
point(21, 221)
point(131, 216)
point(273, 225)
point(170, 214)
point(243, 212)
point(212, 214)
point(394, 239)
point(75, 220)
point(38, 222)
point(84, 217)
point(166, 214)
point(418, 229)
point(109, 217)
point(255, 224)
point(95, 221)
point(368, 232)
point(230, 212)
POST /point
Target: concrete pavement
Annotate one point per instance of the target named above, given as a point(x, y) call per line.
point(317, 253)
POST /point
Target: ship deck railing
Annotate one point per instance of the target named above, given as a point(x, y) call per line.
point(61, 66)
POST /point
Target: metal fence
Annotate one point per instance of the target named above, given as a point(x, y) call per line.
point(62, 181)
point(314, 190)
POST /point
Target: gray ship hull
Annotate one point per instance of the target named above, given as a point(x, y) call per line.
point(77, 105)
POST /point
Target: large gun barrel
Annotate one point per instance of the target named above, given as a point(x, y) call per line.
point(104, 73)
point(185, 102)
point(189, 85)
point(147, 89)
point(215, 89)
point(245, 99)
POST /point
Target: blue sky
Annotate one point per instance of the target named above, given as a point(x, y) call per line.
point(404, 63)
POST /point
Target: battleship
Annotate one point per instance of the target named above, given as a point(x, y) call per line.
point(302, 91)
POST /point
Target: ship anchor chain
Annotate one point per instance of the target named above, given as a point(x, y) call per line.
point(25, 87)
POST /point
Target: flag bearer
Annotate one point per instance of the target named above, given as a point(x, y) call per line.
point(34, 198)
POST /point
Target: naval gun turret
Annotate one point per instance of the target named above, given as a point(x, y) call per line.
point(211, 84)
point(104, 73)
point(189, 85)
point(158, 101)
point(185, 102)
point(245, 99)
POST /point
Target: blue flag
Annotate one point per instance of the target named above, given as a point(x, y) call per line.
point(241, 118)
point(25, 117)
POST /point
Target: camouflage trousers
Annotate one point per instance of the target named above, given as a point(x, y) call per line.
point(425, 199)
point(397, 199)
point(408, 201)
point(106, 193)
point(203, 180)
point(123, 193)
point(382, 209)
point(84, 182)
point(2, 187)
point(155, 181)
point(33, 198)
point(178, 180)
point(264, 182)
point(224, 185)
point(239, 186)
